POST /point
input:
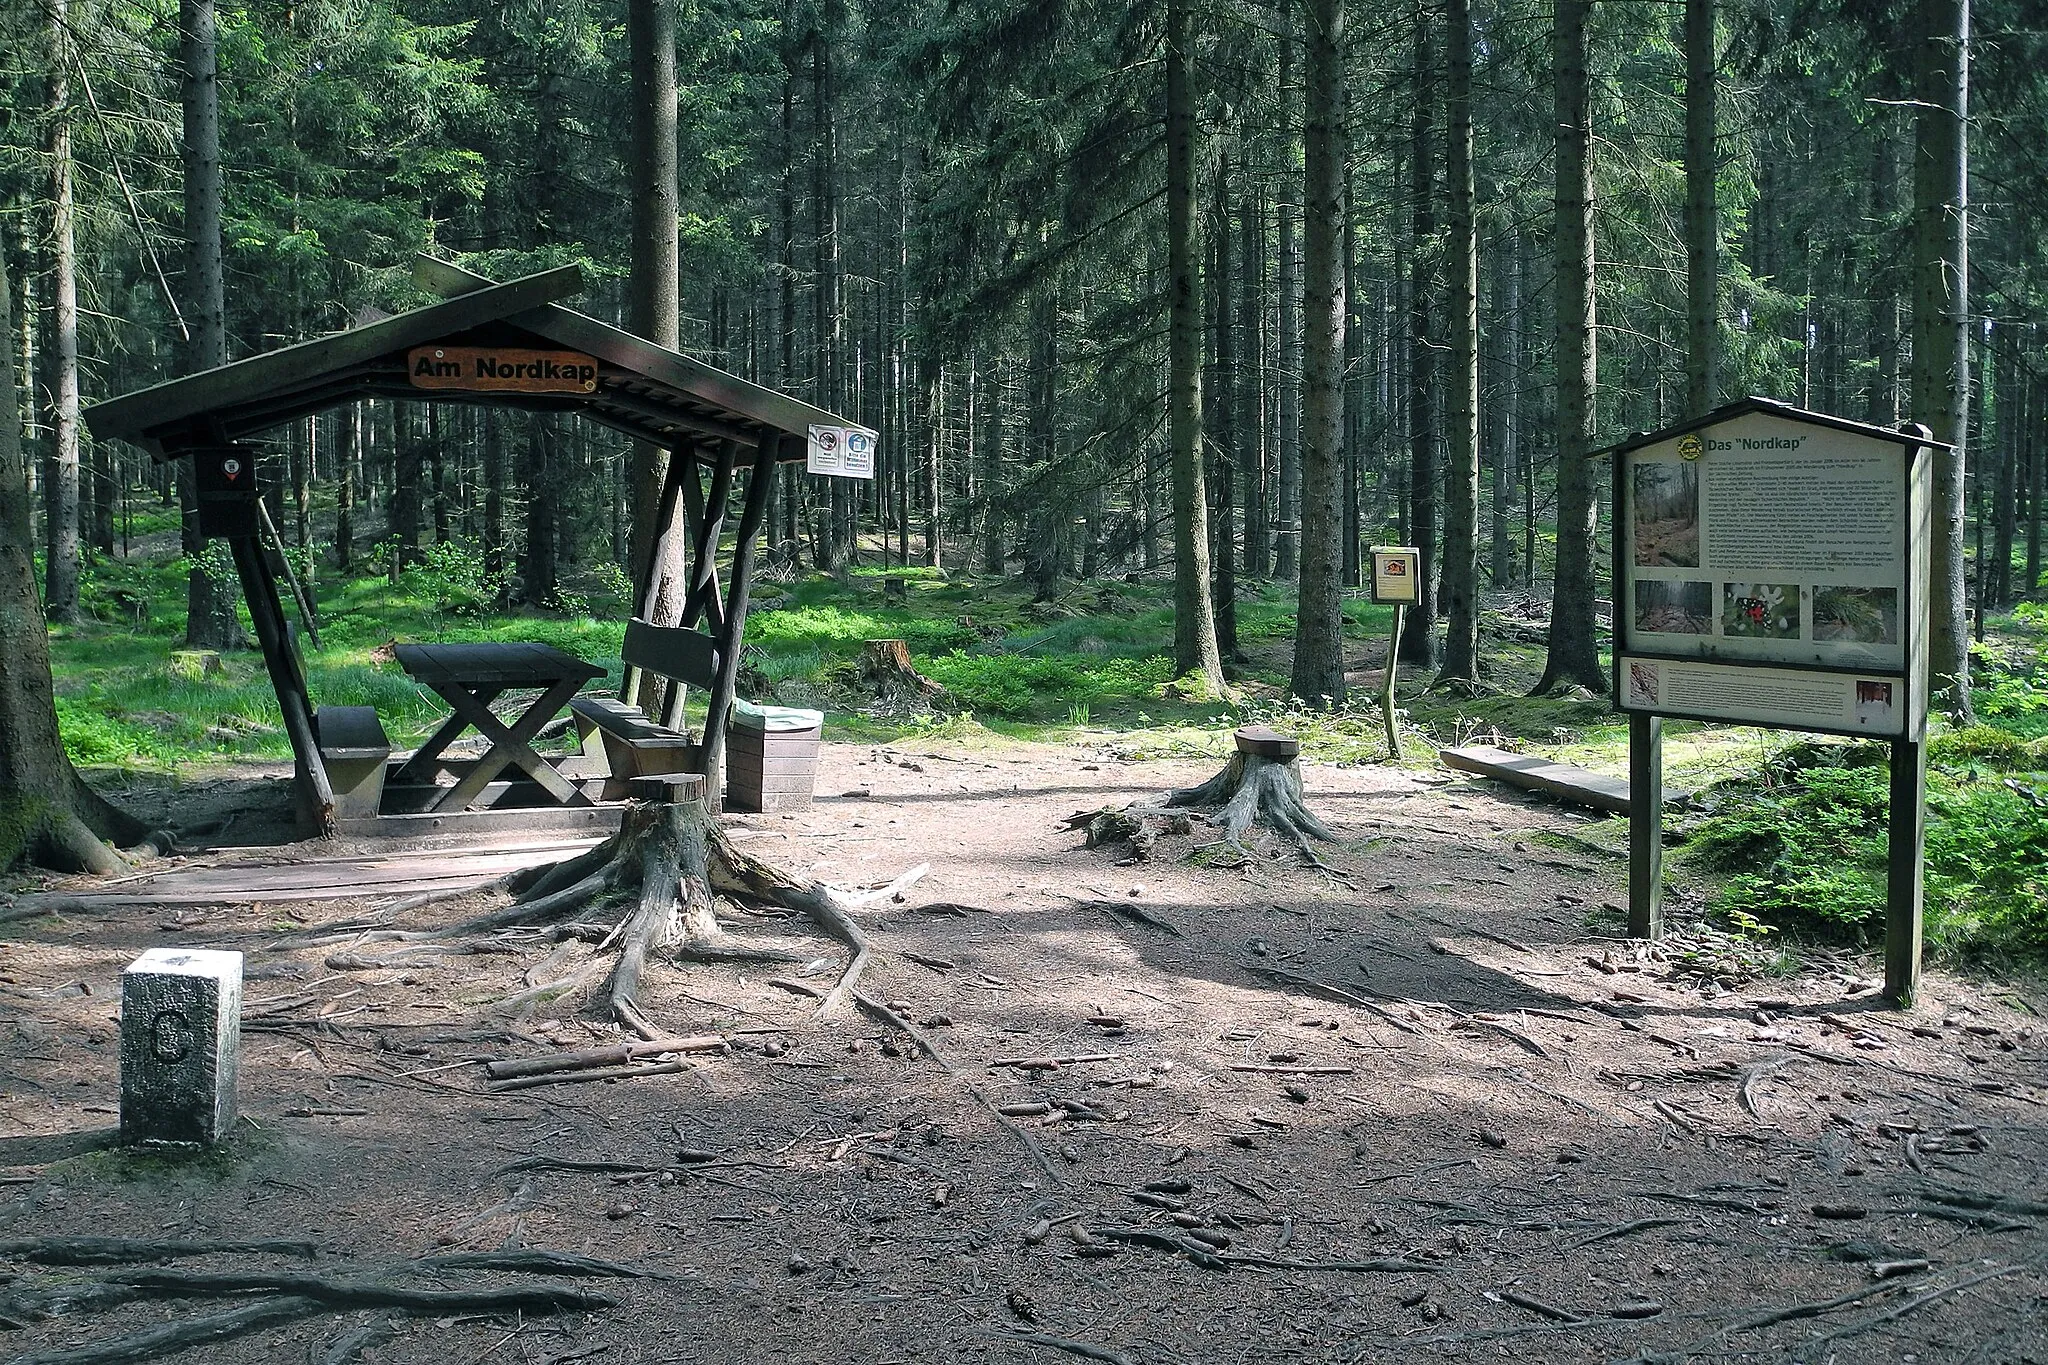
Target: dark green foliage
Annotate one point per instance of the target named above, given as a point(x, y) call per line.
point(1806, 851)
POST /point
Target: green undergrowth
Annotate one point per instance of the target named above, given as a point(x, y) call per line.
point(1800, 844)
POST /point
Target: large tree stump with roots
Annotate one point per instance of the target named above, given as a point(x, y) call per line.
point(1260, 784)
point(654, 882)
point(886, 670)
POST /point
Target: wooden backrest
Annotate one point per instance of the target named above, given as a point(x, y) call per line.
point(688, 656)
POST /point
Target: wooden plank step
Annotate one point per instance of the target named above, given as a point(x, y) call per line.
point(1573, 785)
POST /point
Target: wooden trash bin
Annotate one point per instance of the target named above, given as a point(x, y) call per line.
point(771, 757)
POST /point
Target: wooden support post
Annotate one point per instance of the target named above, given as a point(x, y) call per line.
point(1392, 672)
point(266, 613)
point(1905, 872)
point(1645, 826)
point(732, 631)
point(647, 580)
point(706, 514)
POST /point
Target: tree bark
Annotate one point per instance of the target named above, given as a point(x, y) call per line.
point(1702, 218)
point(46, 811)
point(653, 299)
point(1318, 676)
point(1222, 413)
point(1574, 656)
point(1418, 635)
point(1287, 377)
point(1194, 622)
point(60, 346)
point(1461, 455)
point(1941, 359)
point(209, 603)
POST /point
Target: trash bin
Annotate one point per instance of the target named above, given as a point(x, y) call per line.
point(771, 757)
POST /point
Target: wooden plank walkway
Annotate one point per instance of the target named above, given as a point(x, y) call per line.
point(382, 874)
point(1567, 783)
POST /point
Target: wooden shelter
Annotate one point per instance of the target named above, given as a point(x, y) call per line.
point(512, 345)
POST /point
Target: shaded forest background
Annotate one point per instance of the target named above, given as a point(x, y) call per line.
point(946, 221)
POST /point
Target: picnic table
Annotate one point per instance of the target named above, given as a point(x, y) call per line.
point(469, 677)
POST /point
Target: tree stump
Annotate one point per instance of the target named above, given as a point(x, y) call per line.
point(1261, 783)
point(886, 670)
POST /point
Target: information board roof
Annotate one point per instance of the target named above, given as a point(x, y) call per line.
point(1770, 407)
point(642, 389)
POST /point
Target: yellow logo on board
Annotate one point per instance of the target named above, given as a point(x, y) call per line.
point(1691, 447)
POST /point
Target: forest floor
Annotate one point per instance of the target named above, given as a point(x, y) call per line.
point(1431, 1105)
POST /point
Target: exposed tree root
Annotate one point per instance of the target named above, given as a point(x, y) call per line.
point(663, 867)
point(291, 1295)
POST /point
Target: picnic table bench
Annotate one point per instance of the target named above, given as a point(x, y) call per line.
point(469, 677)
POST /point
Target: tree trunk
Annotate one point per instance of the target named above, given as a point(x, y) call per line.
point(1996, 576)
point(1222, 413)
point(1702, 219)
point(1941, 363)
point(1287, 376)
point(1251, 389)
point(209, 602)
point(653, 298)
point(1461, 468)
point(1574, 656)
point(1504, 331)
point(1318, 676)
point(46, 811)
point(60, 345)
point(1194, 623)
point(992, 528)
point(1418, 635)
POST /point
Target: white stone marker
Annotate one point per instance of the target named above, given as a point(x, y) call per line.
point(181, 1022)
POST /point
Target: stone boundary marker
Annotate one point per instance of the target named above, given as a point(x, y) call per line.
point(181, 1020)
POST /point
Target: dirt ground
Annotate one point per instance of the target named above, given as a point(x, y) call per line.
point(1431, 1107)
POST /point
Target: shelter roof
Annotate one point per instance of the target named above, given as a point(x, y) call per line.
point(642, 389)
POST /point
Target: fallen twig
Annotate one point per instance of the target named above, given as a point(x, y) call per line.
point(1086, 1350)
point(606, 1073)
point(509, 1068)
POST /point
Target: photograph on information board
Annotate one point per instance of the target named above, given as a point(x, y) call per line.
point(1667, 513)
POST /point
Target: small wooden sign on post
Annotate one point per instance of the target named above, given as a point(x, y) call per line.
point(1771, 568)
point(500, 369)
point(1397, 582)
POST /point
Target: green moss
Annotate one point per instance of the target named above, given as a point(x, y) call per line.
point(21, 819)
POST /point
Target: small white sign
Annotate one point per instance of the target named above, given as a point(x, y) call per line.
point(843, 452)
point(1396, 574)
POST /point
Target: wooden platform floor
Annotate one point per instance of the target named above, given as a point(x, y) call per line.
point(329, 878)
point(1573, 785)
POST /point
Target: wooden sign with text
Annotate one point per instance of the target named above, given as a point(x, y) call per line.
point(500, 369)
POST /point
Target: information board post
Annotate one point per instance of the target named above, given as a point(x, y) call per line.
point(1645, 825)
point(1905, 872)
point(1396, 579)
point(1392, 671)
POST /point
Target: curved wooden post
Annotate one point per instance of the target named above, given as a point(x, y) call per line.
point(731, 631)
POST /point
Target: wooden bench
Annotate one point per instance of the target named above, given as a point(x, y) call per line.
point(632, 743)
point(353, 750)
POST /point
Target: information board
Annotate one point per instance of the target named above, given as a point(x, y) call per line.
point(1770, 569)
point(843, 452)
point(1396, 574)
